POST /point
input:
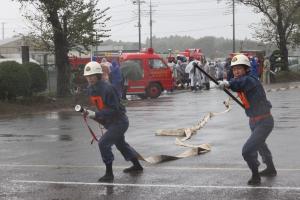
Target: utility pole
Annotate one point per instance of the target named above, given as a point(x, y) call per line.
point(151, 45)
point(138, 2)
point(233, 26)
point(3, 30)
point(139, 24)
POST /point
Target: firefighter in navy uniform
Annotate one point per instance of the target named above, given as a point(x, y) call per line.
point(112, 115)
point(257, 108)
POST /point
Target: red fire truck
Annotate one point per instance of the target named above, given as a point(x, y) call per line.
point(192, 53)
point(157, 75)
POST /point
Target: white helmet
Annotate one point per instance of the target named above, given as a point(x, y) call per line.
point(92, 68)
point(240, 59)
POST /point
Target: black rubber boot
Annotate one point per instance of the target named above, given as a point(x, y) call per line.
point(108, 176)
point(136, 167)
point(268, 172)
point(255, 179)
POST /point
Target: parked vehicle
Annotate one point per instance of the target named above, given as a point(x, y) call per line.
point(156, 74)
point(192, 54)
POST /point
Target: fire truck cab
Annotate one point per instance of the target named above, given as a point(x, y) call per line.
point(192, 53)
point(157, 75)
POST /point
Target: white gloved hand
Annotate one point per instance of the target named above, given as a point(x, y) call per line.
point(90, 114)
point(223, 84)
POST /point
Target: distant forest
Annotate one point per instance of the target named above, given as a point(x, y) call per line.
point(212, 47)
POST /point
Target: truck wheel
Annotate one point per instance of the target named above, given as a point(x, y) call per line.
point(154, 90)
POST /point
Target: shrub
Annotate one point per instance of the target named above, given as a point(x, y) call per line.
point(14, 80)
point(38, 77)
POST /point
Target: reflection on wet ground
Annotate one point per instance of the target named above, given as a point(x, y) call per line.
point(149, 102)
point(45, 138)
point(285, 127)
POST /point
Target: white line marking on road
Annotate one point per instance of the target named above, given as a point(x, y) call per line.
point(147, 167)
point(160, 185)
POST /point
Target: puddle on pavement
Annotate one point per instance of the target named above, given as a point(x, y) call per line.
point(45, 138)
point(149, 102)
point(285, 127)
point(60, 132)
point(58, 115)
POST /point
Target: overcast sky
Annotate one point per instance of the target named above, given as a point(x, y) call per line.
point(196, 18)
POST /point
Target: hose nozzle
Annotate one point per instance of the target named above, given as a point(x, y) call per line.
point(79, 108)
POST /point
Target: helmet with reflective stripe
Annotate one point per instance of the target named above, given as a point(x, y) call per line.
point(92, 68)
point(240, 59)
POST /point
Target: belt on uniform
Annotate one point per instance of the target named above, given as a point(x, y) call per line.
point(259, 117)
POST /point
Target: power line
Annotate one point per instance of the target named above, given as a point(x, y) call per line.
point(187, 15)
point(190, 30)
point(124, 22)
point(199, 29)
point(185, 2)
point(188, 10)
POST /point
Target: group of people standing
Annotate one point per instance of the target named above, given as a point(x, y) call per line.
point(112, 73)
point(186, 74)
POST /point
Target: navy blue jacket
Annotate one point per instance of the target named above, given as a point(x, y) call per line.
point(254, 67)
point(250, 87)
point(109, 109)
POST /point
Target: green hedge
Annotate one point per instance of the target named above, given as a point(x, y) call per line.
point(38, 77)
point(14, 80)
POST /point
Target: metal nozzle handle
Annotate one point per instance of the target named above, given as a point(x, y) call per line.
point(78, 108)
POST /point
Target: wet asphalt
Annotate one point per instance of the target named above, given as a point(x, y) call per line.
point(49, 156)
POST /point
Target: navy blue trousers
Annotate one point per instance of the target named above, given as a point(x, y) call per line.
point(256, 143)
point(115, 135)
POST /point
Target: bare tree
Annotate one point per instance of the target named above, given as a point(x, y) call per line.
point(63, 25)
point(279, 25)
point(296, 34)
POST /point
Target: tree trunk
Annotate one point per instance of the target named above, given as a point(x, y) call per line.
point(61, 54)
point(62, 65)
point(282, 39)
point(284, 52)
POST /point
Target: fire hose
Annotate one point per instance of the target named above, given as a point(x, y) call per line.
point(185, 133)
point(79, 108)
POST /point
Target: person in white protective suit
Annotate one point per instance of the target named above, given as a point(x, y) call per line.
point(194, 74)
point(205, 79)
